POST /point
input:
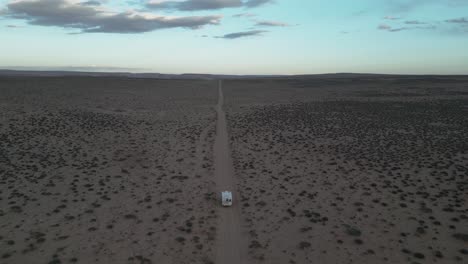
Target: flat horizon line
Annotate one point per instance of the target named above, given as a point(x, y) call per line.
point(82, 72)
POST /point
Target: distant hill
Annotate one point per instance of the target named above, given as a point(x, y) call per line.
point(13, 73)
point(30, 73)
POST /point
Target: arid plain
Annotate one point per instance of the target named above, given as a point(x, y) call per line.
point(327, 169)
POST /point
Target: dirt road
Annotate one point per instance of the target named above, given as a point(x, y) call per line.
point(230, 246)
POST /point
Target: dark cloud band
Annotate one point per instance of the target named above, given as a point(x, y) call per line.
point(194, 5)
point(461, 20)
point(243, 34)
point(271, 24)
point(89, 17)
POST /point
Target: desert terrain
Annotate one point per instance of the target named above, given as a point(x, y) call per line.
point(352, 170)
point(324, 169)
point(106, 170)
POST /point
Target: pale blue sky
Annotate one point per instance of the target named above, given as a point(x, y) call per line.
point(276, 37)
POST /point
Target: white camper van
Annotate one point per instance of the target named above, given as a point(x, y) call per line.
point(226, 198)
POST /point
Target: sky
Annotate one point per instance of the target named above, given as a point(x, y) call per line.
point(236, 36)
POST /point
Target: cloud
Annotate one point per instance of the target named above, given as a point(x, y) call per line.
point(461, 20)
point(272, 24)
point(391, 18)
point(403, 6)
point(92, 3)
point(384, 27)
point(256, 3)
point(398, 29)
point(458, 25)
point(389, 28)
point(93, 18)
point(195, 5)
point(192, 5)
point(243, 34)
point(244, 15)
point(414, 22)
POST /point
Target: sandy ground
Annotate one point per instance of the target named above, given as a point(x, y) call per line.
point(352, 171)
point(106, 170)
point(323, 170)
